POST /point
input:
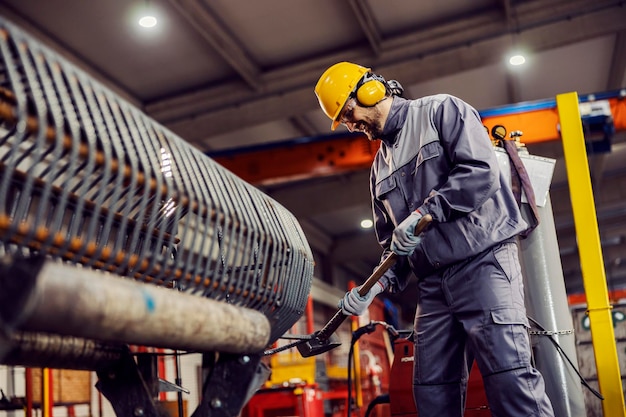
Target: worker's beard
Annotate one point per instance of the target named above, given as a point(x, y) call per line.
point(371, 125)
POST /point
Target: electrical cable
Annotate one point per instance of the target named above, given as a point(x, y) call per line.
point(356, 335)
point(179, 382)
point(562, 352)
point(350, 354)
point(381, 399)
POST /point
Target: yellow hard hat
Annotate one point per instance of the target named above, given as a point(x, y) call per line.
point(334, 87)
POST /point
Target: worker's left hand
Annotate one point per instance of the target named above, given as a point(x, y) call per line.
point(404, 241)
point(352, 304)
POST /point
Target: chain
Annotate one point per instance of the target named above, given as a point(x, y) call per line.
point(550, 332)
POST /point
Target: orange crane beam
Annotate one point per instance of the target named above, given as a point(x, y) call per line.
point(305, 158)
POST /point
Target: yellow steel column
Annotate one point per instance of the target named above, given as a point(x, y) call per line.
point(46, 392)
point(356, 360)
point(591, 262)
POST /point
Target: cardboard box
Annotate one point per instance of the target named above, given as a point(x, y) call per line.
point(68, 386)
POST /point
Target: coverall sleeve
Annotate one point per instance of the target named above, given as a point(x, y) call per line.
point(474, 174)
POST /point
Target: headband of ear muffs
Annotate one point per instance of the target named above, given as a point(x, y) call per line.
point(370, 90)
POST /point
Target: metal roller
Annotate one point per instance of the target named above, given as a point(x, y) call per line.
point(71, 301)
point(89, 181)
point(40, 350)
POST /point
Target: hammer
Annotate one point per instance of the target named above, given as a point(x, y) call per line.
point(320, 341)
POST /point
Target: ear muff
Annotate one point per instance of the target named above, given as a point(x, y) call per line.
point(370, 90)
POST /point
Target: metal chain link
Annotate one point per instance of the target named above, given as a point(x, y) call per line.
point(550, 332)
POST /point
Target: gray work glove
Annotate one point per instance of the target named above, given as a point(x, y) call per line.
point(352, 304)
point(404, 241)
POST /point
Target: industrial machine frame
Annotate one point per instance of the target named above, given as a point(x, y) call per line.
point(115, 232)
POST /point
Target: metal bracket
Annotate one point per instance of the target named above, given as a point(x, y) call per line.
point(166, 386)
point(129, 390)
point(230, 384)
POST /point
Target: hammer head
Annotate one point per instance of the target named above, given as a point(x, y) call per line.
point(317, 346)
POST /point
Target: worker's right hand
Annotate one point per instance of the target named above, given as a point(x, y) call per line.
point(352, 304)
point(404, 241)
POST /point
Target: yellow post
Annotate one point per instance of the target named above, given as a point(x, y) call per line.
point(591, 262)
point(46, 392)
point(356, 360)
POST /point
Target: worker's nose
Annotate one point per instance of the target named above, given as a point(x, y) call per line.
point(350, 126)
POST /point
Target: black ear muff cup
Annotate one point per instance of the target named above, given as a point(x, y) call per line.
point(371, 91)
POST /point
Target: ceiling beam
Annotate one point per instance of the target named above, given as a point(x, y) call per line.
point(617, 76)
point(288, 92)
point(367, 21)
point(210, 27)
point(508, 12)
point(514, 91)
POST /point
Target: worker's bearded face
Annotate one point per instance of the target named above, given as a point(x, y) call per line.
point(367, 120)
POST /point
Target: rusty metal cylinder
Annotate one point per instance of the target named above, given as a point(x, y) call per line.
point(69, 300)
point(41, 350)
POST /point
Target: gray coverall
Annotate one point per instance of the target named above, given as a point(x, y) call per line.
point(436, 156)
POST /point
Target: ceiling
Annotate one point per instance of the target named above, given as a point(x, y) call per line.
point(231, 74)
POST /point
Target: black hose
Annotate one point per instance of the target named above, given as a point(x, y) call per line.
point(356, 335)
point(381, 399)
point(562, 352)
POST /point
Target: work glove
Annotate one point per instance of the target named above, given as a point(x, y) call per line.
point(404, 241)
point(352, 304)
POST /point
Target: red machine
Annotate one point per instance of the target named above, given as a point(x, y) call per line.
point(401, 386)
point(302, 401)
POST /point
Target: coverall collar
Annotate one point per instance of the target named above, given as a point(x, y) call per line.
point(395, 120)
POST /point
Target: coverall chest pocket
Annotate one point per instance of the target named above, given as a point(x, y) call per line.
point(389, 194)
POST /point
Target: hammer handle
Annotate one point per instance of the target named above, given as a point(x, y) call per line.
point(339, 317)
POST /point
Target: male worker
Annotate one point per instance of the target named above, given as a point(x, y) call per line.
point(436, 158)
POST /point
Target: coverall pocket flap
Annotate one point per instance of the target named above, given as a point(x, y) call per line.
point(509, 316)
point(428, 151)
point(385, 186)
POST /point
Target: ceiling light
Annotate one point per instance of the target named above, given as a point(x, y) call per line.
point(517, 60)
point(148, 21)
point(366, 223)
